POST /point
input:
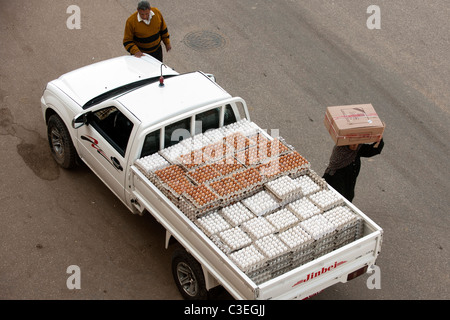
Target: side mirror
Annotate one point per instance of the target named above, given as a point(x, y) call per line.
point(79, 121)
point(211, 77)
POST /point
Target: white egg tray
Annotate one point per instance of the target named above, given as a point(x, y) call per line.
point(318, 226)
point(326, 199)
point(258, 227)
point(248, 259)
point(235, 238)
point(340, 216)
point(303, 208)
point(297, 239)
point(282, 219)
point(236, 214)
point(261, 203)
point(212, 223)
point(307, 185)
point(284, 187)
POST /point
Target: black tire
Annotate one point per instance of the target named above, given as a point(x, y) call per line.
point(188, 276)
point(61, 145)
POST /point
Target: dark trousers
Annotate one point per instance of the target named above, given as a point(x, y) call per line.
point(158, 54)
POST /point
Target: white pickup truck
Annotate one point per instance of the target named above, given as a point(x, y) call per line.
point(246, 208)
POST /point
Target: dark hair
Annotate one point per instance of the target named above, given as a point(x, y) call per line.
point(143, 5)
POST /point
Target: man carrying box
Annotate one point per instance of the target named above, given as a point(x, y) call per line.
point(351, 128)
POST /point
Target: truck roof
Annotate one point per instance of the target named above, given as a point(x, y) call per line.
point(152, 104)
point(148, 101)
point(98, 78)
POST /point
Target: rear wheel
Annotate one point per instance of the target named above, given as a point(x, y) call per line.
point(61, 145)
point(188, 276)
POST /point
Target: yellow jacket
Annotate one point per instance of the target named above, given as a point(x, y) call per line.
point(139, 36)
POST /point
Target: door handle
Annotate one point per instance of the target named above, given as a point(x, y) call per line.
point(116, 164)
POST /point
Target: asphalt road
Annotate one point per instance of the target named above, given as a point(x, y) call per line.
point(289, 60)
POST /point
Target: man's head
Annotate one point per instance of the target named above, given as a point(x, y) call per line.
point(144, 10)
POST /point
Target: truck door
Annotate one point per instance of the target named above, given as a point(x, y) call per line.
point(103, 145)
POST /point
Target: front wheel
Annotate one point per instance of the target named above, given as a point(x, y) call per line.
point(61, 145)
point(188, 276)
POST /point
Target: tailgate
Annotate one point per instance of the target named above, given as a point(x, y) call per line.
point(325, 271)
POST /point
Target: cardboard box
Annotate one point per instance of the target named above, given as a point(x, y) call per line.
point(353, 124)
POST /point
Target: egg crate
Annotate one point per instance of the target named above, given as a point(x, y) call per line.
point(236, 214)
point(275, 251)
point(204, 173)
point(261, 203)
point(303, 251)
point(326, 199)
point(352, 231)
point(282, 270)
point(248, 259)
point(341, 216)
point(220, 244)
point(249, 179)
point(152, 163)
point(285, 189)
point(258, 227)
point(190, 160)
point(282, 219)
point(323, 249)
point(297, 240)
point(174, 185)
point(234, 239)
point(193, 210)
point(293, 163)
point(260, 276)
point(217, 150)
point(249, 156)
point(318, 227)
point(239, 197)
point(237, 140)
point(212, 223)
point(150, 176)
point(339, 243)
point(270, 169)
point(228, 165)
point(302, 259)
point(226, 188)
point(303, 208)
point(243, 126)
point(309, 183)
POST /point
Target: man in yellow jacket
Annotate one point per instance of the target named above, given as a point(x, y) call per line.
point(144, 31)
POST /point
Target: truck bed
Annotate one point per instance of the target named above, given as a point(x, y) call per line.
point(276, 250)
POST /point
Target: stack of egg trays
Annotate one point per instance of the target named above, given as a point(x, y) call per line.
point(258, 227)
point(233, 239)
point(262, 196)
point(212, 223)
point(303, 208)
point(284, 198)
point(277, 253)
point(193, 210)
point(313, 182)
point(282, 219)
point(302, 249)
point(236, 214)
point(338, 199)
point(348, 231)
point(245, 191)
point(249, 260)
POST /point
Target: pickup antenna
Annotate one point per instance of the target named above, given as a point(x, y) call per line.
point(161, 78)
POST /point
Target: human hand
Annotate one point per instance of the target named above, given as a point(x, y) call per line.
point(138, 54)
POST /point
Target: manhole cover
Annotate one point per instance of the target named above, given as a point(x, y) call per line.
point(204, 40)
